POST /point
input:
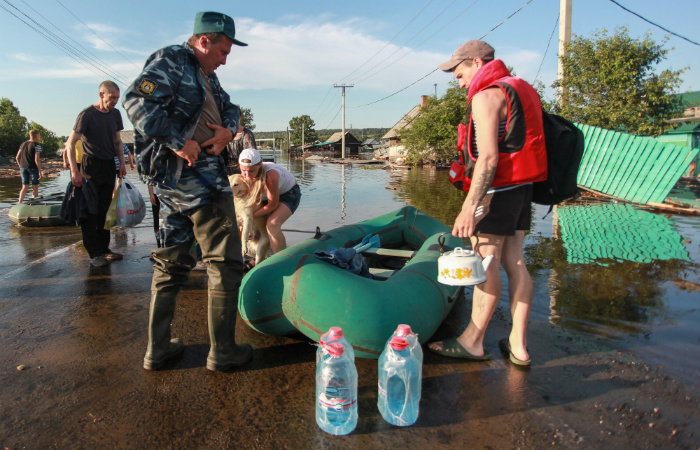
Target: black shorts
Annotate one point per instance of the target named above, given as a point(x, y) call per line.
point(509, 211)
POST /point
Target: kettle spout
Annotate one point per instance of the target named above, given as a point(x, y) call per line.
point(485, 263)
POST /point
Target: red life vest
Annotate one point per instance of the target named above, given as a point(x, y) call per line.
point(522, 155)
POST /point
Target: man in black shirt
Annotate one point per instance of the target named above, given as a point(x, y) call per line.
point(98, 126)
point(29, 164)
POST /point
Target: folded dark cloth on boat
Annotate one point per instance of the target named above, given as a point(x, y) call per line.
point(345, 258)
point(79, 202)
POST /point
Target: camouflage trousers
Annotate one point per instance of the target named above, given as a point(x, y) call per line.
point(211, 227)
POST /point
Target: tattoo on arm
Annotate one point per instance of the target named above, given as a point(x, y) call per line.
point(482, 184)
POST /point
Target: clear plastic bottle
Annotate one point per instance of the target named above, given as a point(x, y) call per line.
point(334, 334)
point(405, 331)
point(336, 391)
point(399, 383)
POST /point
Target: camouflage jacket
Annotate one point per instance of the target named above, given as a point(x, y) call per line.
point(164, 104)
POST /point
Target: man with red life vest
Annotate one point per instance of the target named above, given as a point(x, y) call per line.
point(505, 153)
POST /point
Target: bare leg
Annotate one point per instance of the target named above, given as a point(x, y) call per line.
point(35, 190)
point(486, 297)
point(23, 192)
point(274, 227)
point(520, 290)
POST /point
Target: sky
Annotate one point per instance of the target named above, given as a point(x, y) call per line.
point(298, 50)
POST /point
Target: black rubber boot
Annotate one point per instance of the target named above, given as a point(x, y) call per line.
point(224, 353)
point(160, 347)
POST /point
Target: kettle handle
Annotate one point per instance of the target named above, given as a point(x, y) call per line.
point(441, 242)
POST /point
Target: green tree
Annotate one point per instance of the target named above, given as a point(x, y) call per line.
point(295, 126)
point(610, 83)
point(433, 133)
point(248, 119)
point(49, 141)
point(13, 128)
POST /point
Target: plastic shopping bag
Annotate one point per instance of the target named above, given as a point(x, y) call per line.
point(131, 209)
point(111, 219)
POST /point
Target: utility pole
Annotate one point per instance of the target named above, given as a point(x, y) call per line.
point(564, 38)
point(342, 154)
point(303, 125)
point(435, 90)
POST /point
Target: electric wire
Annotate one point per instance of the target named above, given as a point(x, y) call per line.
point(100, 37)
point(325, 109)
point(61, 46)
point(405, 43)
point(85, 51)
point(417, 46)
point(556, 22)
point(655, 24)
point(331, 122)
point(435, 70)
point(390, 41)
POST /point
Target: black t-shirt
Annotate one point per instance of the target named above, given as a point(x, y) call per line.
point(99, 131)
point(27, 151)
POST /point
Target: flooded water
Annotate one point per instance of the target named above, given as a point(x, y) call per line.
point(598, 268)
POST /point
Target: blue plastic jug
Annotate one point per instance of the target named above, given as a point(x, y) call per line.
point(399, 383)
point(336, 391)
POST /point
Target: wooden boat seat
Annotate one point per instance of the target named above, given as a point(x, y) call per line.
point(390, 252)
point(381, 274)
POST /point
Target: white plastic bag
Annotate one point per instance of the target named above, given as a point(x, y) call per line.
point(131, 209)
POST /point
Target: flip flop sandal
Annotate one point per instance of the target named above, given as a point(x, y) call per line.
point(504, 344)
point(453, 349)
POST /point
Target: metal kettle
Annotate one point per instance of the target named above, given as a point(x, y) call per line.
point(462, 267)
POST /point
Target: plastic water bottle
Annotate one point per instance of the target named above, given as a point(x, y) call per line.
point(399, 383)
point(405, 331)
point(336, 391)
point(334, 334)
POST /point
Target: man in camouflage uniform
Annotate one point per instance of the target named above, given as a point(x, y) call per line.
point(182, 121)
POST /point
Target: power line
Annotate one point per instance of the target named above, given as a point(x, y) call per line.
point(390, 41)
point(435, 70)
point(59, 44)
point(85, 50)
point(100, 37)
point(336, 115)
point(547, 49)
point(423, 42)
point(655, 24)
point(405, 43)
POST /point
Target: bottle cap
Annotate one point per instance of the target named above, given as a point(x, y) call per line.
point(398, 343)
point(403, 330)
point(335, 332)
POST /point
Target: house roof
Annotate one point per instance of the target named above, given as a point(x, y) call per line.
point(403, 123)
point(338, 136)
point(690, 99)
point(370, 141)
point(686, 128)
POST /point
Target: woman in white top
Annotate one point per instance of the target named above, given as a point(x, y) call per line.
point(280, 188)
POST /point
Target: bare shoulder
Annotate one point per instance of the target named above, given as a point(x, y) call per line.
point(490, 102)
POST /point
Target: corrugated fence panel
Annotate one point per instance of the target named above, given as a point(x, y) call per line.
point(633, 168)
point(600, 233)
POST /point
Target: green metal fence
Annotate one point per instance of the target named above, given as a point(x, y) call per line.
point(633, 168)
point(617, 232)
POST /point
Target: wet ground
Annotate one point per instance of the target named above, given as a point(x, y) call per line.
point(78, 334)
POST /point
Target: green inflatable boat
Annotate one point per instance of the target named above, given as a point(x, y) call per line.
point(294, 291)
point(39, 212)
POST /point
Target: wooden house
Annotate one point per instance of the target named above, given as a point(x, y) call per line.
point(335, 142)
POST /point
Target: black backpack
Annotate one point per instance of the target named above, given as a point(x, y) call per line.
point(564, 142)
